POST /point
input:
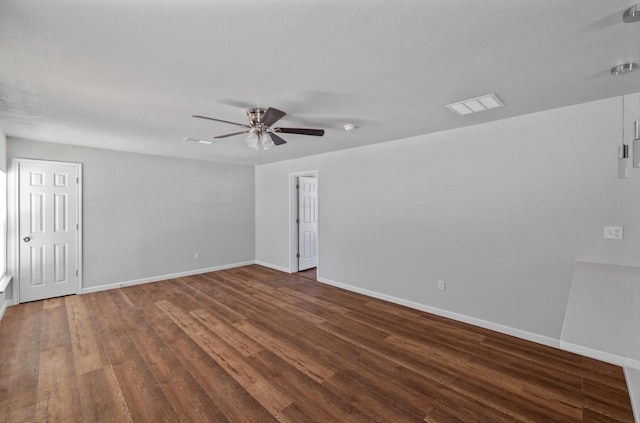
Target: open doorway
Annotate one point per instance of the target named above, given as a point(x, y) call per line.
point(304, 243)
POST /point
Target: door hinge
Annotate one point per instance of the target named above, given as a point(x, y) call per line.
point(76, 273)
point(77, 180)
point(77, 226)
point(297, 220)
point(297, 186)
point(298, 255)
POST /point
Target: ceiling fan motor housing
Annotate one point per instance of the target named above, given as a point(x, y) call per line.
point(255, 116)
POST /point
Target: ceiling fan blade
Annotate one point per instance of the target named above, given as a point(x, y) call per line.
point(232, 134)
point(276, 139)
point(272, 115)
point(220, 120)
point(236, 103)
point(301, 131)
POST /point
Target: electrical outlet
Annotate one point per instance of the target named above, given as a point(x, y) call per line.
point(613, 232)
point(196, 256)
point(441, 286)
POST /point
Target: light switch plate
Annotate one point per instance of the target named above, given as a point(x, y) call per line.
point(613, 232)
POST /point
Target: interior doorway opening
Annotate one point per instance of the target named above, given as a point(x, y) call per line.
point(304, 221)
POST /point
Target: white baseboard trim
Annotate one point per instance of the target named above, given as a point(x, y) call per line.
point(618, 360)
point(632, 376)
point(6, 304)
point(273, 266)
point(518, 333)
point(162, 277)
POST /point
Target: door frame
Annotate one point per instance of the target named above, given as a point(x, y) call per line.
point(293, 215)
point(14, 219)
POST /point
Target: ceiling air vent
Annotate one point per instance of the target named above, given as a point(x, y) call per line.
point(478, 104)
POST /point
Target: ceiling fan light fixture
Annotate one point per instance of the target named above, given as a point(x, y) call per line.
point(261, 134)
point(266, 141)
point(252, 140)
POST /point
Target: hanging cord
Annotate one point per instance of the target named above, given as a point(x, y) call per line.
point(623, 113)
point(624, 148)
point(635, 149)
point(636, 123)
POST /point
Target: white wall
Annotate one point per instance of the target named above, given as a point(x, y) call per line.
point(145, 216)
point(500, 211)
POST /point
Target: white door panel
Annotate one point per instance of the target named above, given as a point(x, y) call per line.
point(307, 223)
point(48, 229)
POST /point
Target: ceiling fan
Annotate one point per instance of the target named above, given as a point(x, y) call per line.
point(261, 134)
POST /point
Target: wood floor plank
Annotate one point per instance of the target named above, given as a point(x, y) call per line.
point(468, 411)
point(53, 302)
point(223, 311)
point(88, 352)
point(101, 398)
point(20, 361)
point(190, 402)
point(249, 377)
point(372, 402)
point(288, 352)
point(55, 328)
point(485, 383)
point(111, 329)
point(239, 340)
point(144, 397)
point(291, 293)
point(252, 344)
point(258, 286)
point(60, 400)
point(58, 396)
point(237, 404)
point(455, 340)
point(405, 359)
point(284, 305)
point(317, 403)
point(605, 400)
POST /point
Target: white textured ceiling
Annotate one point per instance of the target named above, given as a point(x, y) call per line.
point(128, 75)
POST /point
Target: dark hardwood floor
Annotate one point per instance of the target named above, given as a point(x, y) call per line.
point(256, 345)
point(309, 274)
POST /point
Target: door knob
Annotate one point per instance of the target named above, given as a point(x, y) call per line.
point(26, 239)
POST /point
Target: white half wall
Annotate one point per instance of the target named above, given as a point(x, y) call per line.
point(603, 313)
point(500, 211)
point(146, 216)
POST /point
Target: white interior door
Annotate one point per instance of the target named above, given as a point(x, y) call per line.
point(307, 223)
point(48, 229)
